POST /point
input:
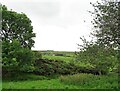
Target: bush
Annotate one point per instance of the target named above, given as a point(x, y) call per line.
point(16, 58)
point(37, 54)
point(100, 57)
point(49, 67)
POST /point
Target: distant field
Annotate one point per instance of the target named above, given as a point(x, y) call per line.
point(61, 58)
point(67, 57)
point(65, 53)
point(58, 55)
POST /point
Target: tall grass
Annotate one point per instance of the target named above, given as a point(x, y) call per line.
point(91, 81)
point(78, 79)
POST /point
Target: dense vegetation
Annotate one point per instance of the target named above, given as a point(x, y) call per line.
point(17, 41)
point(95, 66)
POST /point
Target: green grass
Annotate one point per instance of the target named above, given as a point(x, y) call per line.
point(67, 56)
point(77, 81)
point(62, 58)
point(38, 84)
point(92, 81)
point(30, 81)
point(0, 85)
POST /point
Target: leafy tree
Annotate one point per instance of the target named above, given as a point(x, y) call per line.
point(101, 58)
point(17, 26)
point(17, 40)
point(107, 23)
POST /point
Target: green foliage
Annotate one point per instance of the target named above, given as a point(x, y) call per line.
point(49, 67)
point(91, 81)
point(16, 57)
point(16, 26)
point(106, 23)
point(23, 76)
point(37, 55)
point(99, 56)
point(17, 40)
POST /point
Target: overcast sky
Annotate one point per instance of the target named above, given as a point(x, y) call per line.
point(58, 24)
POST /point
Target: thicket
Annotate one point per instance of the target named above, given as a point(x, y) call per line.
point(50, 67)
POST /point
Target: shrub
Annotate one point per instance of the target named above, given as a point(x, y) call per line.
point(99, 56)
point(16, 58)
point(37, 54)
point(49, 67)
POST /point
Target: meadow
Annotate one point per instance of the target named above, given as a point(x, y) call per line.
point(77, 81)
point(59, 81)
point(58, 55)
point(95, 66)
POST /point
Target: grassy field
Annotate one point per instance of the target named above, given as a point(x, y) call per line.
point(58, 55)
point(65, 53)
point(78, 81)
point(61, 58)
point(69, 58)
point(39, 84)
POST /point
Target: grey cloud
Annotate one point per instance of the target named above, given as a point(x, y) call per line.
point(42, 9)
